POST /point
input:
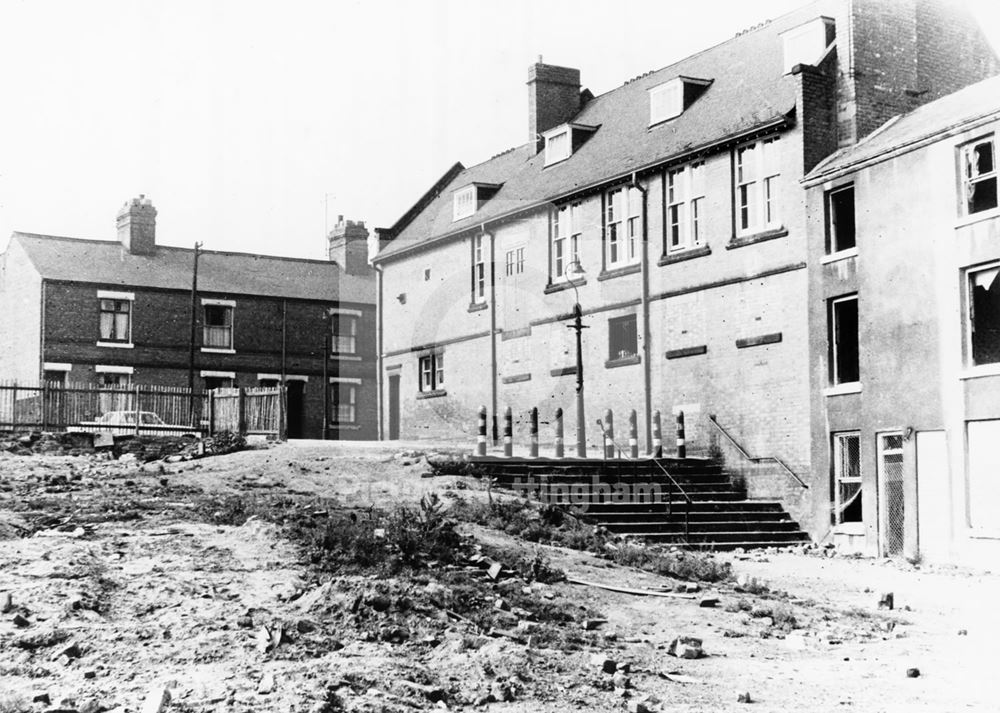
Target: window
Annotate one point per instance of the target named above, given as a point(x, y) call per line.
point(984, 464)
point(343, 398)
point(666, 101)
point(846, 478)
point(218, 382)
point(984, 316)
point(622, 338)
point(116, 320)
point(110, 379)
point(566, 232)
point(757, 175)
point(478, 270)
point(51, 376)
point(979, 176)
point(840, 227)
point(432, 372)
point(464, 203)
point(515, 261)
point(217, 332)
point(844, 358)
point(344, 329)
point(685, 201)
point(557, 146)
point(622, 228)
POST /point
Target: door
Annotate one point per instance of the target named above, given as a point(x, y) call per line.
point(296, 405)
point(892, 520)
point(394, 407)
point(934, 505)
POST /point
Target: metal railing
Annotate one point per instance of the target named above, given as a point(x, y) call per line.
point(670, 478)
point(756, 459)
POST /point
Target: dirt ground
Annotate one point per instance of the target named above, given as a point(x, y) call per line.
point(126, 579)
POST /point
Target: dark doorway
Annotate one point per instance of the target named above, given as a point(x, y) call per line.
point(296, 406)
point(394, 407)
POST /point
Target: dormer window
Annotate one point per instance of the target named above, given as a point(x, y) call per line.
point(464, 203)
point(562, 141)
point(670, 99)
point(807, 43)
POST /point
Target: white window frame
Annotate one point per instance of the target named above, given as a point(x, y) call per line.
point(986, 367)
point(463, 203)
point(758, 171)
point(479, 269)
point(231, 306)
point(837, 381)
point(558, 144)
point(337, 341)
point(969, 179)
point(129, 297)
point(430, 372)
point(685, 193)
point(666, 101)
point(838, 466)
point(514, 261)
point(336, 406)
point(622, 224)
point(566, 236)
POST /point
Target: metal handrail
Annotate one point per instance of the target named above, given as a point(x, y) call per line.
point(687, 498)
point(755, 459)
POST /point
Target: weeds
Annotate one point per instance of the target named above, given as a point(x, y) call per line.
point(14, 703)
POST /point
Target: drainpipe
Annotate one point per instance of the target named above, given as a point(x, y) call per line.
point(378, 353)
point(646, 365)
point(493, 332)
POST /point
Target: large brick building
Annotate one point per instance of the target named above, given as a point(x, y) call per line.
point(904, 280)
point(679, 196)
point(113, 312)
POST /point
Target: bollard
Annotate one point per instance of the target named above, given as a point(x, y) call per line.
point(657, 436)
point(508, 433)
point(633, 436)
point(609, 434)
point(681, 447)
point(533, 446)
point(481, 438)
point(559, 433)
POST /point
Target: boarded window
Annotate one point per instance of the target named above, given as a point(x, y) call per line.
point(984, 473)
point(622, 338)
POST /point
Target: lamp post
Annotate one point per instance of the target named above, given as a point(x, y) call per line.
point(575, 270)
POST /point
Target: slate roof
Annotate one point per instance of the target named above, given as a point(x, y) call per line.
point(748, 90)
point(107, 262)
point(954, 110)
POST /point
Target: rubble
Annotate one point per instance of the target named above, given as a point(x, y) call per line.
point(686, 647)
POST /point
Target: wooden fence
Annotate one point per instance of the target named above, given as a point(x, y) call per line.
point(140, 409)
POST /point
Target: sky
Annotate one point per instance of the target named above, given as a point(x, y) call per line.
point(252, 125)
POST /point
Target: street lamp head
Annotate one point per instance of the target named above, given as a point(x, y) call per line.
point(575, 270)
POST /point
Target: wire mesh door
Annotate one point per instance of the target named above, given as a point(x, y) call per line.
point(890, 465)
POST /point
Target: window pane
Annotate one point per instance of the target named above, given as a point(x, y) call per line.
point(845, 324)
point(107, 325)
point(985, 288)
point(983, 195)
point(842, 220)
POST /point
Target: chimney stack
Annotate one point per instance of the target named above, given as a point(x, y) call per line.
point(347, 245)
point(553, 98)
point(137, 226)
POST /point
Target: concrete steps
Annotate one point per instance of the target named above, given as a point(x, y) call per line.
point(635, 498)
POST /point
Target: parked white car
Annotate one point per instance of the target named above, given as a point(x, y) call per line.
point(122, 423)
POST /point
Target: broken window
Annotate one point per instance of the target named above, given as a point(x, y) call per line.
point(844, 358)
point(622, 338)
point(846, 478)
point(979, 176)
point(840, 225)
point(984, 316)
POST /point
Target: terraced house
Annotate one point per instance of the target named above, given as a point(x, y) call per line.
point(122, 312)
point(671, 210)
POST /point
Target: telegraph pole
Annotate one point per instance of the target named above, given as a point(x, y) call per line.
point(194, 319)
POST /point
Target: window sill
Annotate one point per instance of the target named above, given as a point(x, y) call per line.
point(686, 352)
point(842, 389)
point(976, 372)
point(563, 285)
point(477, 306)
point(516, 378)
point(564, 371)
point(840, 255)
point(982, 533)
point(437, 393)
point(345, 426)
point(619, 272)
point(623, 361)
point(965, 220)
point(213, 350)
point(772, 338)
point(682, 255)
point(740, 241)
point(117, 345)
point(346, 357)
